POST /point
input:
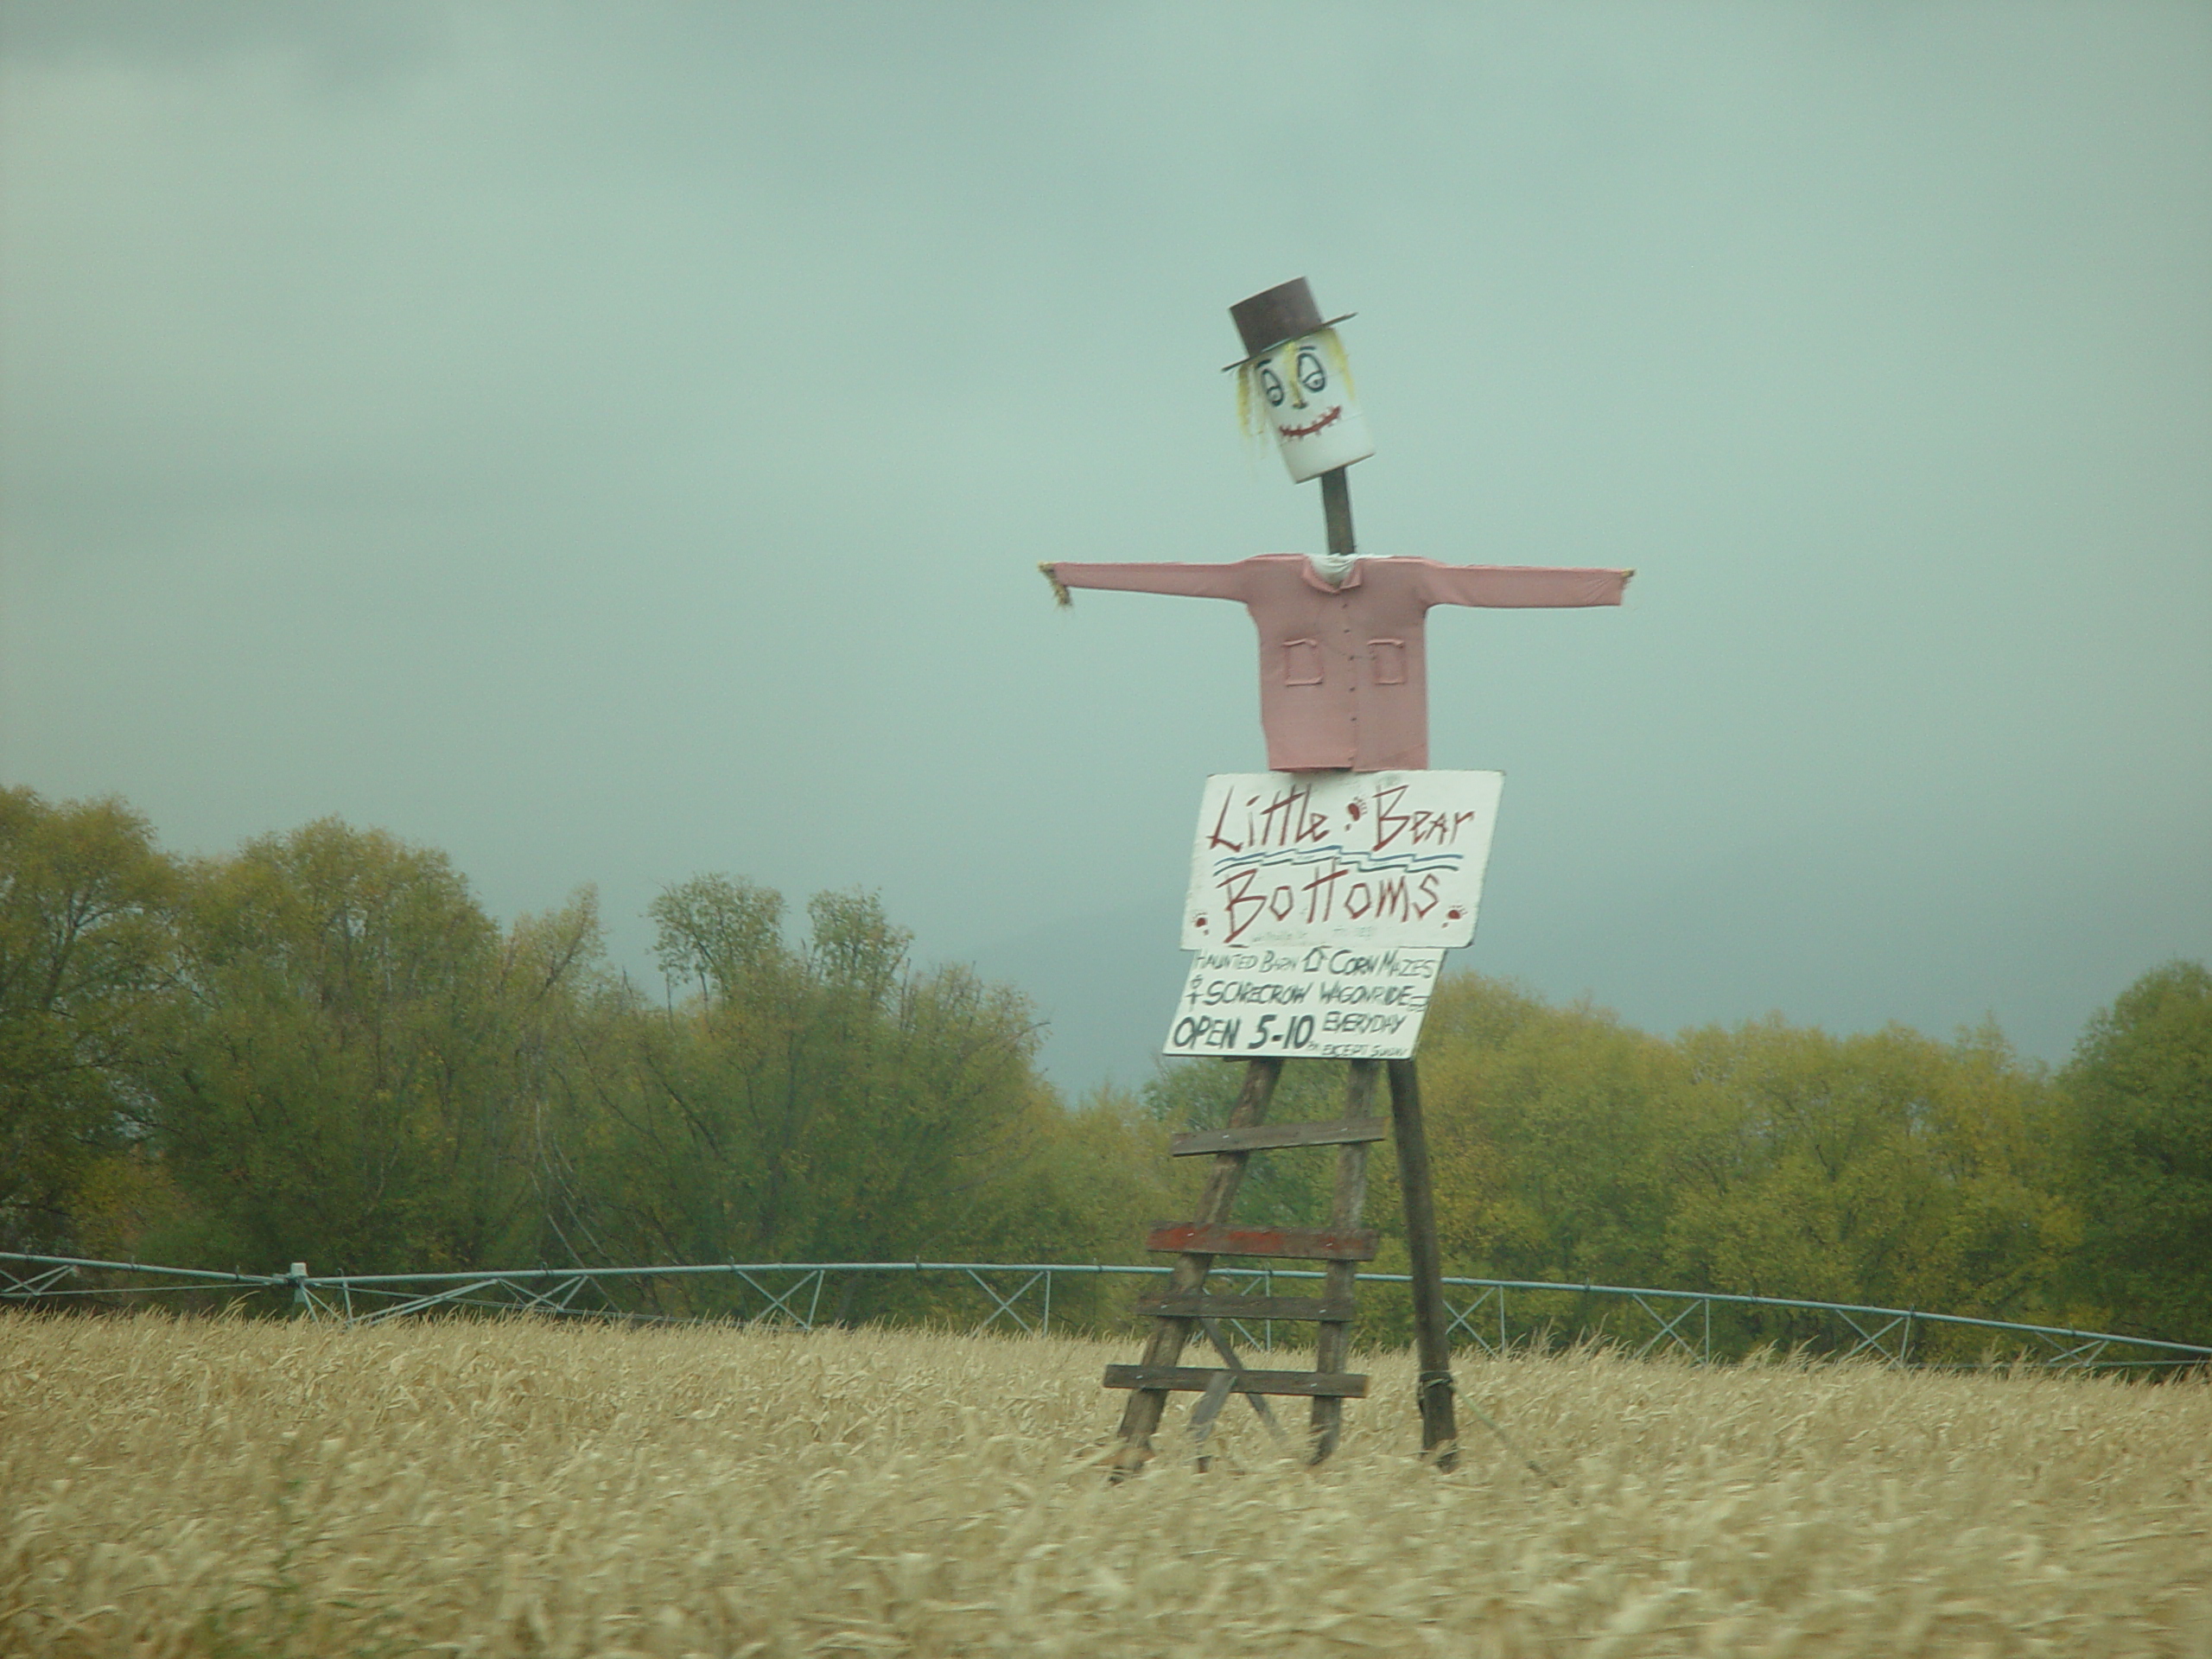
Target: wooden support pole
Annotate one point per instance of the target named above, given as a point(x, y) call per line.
point(1336, 512)
point(1350, 1197)
point(1440, 1433)
point(1140, 1417)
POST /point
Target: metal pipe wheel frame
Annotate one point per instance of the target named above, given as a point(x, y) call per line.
point(1016, 1297)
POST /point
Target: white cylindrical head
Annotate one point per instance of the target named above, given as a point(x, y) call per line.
point(1301, 392)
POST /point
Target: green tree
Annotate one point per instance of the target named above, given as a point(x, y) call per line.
point(349, 1079)
point(568, 1019)
point(86, 960)
point(1091, 1180)
point(2009, 1225)
point(1549, 1129)
point(1885, 1168)
point(703, 1153)
point(1772, 1158)
point(1289, 1188)
point(829, 1101)
point(2140, 1088)
point(723, 934)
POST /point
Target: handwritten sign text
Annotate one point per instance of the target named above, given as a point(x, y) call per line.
point(1352, 1002)
point(1372, 858)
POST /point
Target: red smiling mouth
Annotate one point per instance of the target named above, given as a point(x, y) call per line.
point(1328, 419)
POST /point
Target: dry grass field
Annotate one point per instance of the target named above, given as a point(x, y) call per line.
point(233, 1488)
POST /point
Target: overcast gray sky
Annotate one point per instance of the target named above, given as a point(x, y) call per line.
point(610, 442)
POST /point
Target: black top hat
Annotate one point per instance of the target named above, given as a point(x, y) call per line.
point(1282, 313)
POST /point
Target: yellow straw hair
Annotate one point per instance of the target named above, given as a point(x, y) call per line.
point(1340, 364)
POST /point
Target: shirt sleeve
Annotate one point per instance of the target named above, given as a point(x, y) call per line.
point(1510, 586)
point(1192, 580)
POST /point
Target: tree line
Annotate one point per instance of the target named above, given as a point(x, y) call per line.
point(321, 1046)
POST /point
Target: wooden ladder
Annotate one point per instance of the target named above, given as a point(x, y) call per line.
point(1186, 1307)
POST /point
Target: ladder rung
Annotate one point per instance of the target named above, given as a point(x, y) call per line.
point(1199, 1305)
point(1301, 1244)
point(1194, 1379)
point(1279, 1134)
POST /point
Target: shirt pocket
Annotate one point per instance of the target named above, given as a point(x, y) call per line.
point(1388, 658)
point(1302, 661)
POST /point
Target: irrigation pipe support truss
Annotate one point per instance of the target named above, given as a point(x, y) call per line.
point(1019, 1294)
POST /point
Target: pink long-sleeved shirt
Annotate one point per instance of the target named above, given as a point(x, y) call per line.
point(1343, 672)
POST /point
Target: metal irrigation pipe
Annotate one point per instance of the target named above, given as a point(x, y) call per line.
point(389, 1284)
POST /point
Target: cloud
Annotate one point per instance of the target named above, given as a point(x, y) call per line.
point(615, 442)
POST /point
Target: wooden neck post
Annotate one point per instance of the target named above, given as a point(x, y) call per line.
point(1336, 509)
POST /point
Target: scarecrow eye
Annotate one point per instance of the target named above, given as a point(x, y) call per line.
point(1271, 382)
point(1311, 374)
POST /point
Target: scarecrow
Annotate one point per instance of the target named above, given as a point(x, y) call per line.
point(1343, 679)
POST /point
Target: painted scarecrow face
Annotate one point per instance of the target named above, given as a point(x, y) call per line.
point(1301, 392)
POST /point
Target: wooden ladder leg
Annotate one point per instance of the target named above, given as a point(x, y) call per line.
point(1140, 1416)
point(1440, 1433)
point(1334, 1346)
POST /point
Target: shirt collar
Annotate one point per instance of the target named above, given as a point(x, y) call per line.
point(1314, 578)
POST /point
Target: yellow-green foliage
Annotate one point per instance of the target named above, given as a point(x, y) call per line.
point(1769, 1159)
point(323, 1049)
point(229, 1487)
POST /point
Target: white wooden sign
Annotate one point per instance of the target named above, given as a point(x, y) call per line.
point(1325, 1001)
point(1295, 860)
